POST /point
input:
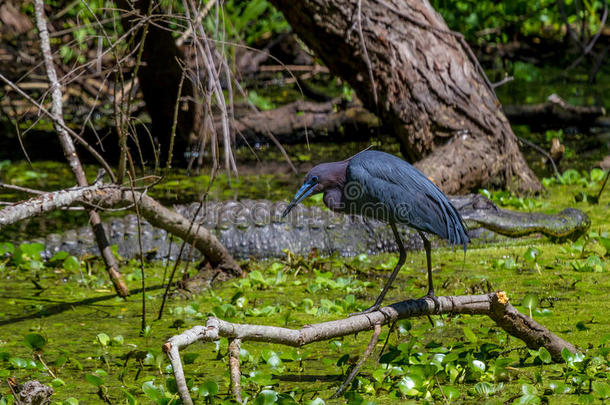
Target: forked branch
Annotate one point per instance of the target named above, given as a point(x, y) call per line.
point(494, 305)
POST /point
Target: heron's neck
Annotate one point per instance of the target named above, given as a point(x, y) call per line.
point(332, 199)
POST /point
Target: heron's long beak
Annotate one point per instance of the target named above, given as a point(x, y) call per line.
point(306, 189)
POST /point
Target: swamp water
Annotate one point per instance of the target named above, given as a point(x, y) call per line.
point(61, 323)
point(65, 314)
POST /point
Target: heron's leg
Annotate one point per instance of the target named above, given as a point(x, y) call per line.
point(428, 249)
point(401, 260)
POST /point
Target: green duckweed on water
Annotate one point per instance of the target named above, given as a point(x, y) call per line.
point(61, 323)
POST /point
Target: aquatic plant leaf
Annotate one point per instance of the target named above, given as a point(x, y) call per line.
point(470, 335)
point(544, 355)
point(103, 339)
point(530, 301)
point(35, 341)
point(531, 254)
point(266, 397)
point(451, 393)
point(94, 379)
point(153, 392)
point(71, 263)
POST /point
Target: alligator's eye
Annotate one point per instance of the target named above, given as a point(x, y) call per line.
point(314, 179)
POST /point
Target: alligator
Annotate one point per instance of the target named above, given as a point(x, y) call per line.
point(254, 229)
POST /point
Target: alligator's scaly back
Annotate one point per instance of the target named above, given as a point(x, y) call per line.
point(254, 229)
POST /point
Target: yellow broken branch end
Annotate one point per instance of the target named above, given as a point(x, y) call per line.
point(502, 297)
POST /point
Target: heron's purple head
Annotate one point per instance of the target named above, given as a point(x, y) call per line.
point(321, 178)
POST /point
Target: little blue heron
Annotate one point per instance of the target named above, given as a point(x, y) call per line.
point(384, 187)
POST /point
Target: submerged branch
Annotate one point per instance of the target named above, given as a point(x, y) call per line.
point(494, 305)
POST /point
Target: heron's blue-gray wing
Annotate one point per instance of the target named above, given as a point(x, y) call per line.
point(408, 195)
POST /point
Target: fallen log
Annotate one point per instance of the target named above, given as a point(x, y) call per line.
point(554, 113)
point(494, 305)
point(297, 122)
point(340, 121)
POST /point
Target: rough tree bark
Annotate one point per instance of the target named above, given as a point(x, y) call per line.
point(443, 110)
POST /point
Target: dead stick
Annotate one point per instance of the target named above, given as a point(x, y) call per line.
point(45, 365)
point(70, 152)
point(235, 369)
point(365, 53)
point(601, 190)
point(365, 355)
point(21, 189)
point(45, 202)
point(61, 124)
point(543, 152)
point(494, 305)
point(113, 196)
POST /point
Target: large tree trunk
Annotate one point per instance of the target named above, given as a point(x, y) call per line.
point(443, 111)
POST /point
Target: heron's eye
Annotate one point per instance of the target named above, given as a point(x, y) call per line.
point(314, 178)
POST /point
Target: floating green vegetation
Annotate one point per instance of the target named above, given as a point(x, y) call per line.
point(62, 324)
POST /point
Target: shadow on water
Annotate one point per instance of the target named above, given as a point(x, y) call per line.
point(63, 306)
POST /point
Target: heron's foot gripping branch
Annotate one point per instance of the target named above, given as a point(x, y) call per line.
point(373, 308)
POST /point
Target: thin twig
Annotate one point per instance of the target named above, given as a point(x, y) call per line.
point(387, 339)
point(126, 104)
point(294, 68)
point(63, 126)
point(365, 52)
point(177, 262)
point(131, 174)
point(441, 389)
point(200, 16)
point(601, 190)
point(356, 369)
point(70, 151)
point(169, 252)
point(543, 152)
point(502, 82)
point(214, 81)
point(17, 401)
point(175, 122)
point(587, 49)
point(45, 365)
point(20, 136)
point(21, 189)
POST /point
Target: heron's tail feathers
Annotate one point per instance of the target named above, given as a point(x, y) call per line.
point(458, 232)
